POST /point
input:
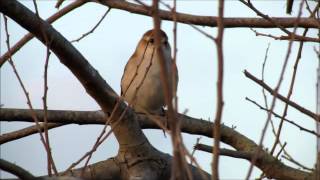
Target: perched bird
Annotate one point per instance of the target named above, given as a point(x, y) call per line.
point(141, 83)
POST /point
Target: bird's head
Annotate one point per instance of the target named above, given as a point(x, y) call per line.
point(149, 37)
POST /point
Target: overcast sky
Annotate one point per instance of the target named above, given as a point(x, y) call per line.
point(108, 50)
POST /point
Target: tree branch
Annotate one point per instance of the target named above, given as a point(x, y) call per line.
point(16, 170)
point(272, 167)
point(211, 20)
point(7, 137)
point(225, 152)
point(29, 36)
point(282, 98)
point(128, 132)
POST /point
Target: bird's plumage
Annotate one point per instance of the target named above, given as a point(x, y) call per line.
point(141, 84)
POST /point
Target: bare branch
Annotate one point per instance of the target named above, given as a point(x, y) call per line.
point(284, 114)
point(59, 3)
point(29, 103)
point(225, 152)
point(270, 165)
point(220, 101)
point(295, 38)
point(16, 170)
point(285, 119)
point(29, 36)
point(282, 98)
point(94, 27)
point(7, 137)
point(211, 20)
point(297, 163)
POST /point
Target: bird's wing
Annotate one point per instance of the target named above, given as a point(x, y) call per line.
point(176, 75)
point(128, 73)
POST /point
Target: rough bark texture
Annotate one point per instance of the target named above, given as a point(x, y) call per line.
point(126, 130)
point(136, 157)
point(272, 167)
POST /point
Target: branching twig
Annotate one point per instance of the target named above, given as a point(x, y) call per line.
point(279, 96)
point(51, 164)
point(285, 119)
point(94, 28)
point(33, 114)
point(291, 35)
point(284, 66)
point(297, 163)
point(289, 93)
point(294, 38)
point(29, 36)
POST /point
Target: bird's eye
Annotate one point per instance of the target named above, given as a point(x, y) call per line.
point(151, 40)
point(165, 43)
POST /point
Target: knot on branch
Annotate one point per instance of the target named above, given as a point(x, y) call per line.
point(135, 160)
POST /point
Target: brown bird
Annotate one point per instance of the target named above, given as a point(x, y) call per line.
point(141, 84)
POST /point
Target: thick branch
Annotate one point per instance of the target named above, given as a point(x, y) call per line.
point(16, 170)
point(127, 132)
point(211, 20)
point(270, 165)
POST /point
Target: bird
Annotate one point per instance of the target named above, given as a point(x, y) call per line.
point(141, 82)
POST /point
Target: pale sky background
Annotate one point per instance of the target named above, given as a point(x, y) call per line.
point(108, 50)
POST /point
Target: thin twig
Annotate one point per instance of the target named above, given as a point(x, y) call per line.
point(220, 101)
point(180, 169)
point(284, 66)
point(33, 114)
point(175, 51)
point(194, 147)
point(59, 3)
point(284, 114)
point(284, 119)
point(281, 150)
point(94, 27)
point(8, 137)
point(29, 36)
point(51, 164)
point(101, 138)
point(292, 35)
point(202, 32)
point(262, 76)
point(295, 38)
point(279, 96)
point(297, 163)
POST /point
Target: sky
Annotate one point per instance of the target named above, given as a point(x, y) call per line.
point(108, 50)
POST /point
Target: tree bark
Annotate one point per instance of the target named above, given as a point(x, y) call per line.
point(228, 22)
point(272, 167)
